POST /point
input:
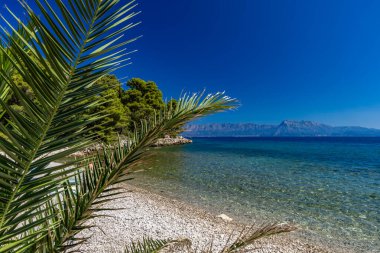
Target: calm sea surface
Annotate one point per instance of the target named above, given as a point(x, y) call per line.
point(330, 186)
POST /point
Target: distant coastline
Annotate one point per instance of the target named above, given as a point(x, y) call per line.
point(287, 128)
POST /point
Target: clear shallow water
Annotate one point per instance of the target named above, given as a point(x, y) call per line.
point(330, 186)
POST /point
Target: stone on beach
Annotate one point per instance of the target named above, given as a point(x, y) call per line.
point(224, 217)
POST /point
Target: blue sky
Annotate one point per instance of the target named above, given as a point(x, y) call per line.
point(284, 59)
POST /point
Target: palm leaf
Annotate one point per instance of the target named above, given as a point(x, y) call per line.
point(73, 48)
point(147, 245)
point(82, 196)
point(247, 237)
point(250, 235)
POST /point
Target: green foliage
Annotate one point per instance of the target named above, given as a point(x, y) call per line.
point(73, 45)
point(23, 86)
point(44, 204)
point(147, 245)
point(118, 116)
point(13, 100)
point(142, 99)
point(172, 104)
point(250, 235)
point(121, 107)
point(7, 67)
point(79, 201)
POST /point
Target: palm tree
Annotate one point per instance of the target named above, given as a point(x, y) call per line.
point(71, 46)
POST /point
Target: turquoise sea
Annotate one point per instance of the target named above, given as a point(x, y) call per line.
point(329, 186)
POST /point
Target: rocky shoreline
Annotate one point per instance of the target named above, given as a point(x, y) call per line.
point(170, 141)
point(166, 141)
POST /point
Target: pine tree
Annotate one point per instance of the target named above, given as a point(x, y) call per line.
point(142, 99)
point(118, 116)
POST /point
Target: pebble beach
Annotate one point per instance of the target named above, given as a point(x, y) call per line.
point(142, 214)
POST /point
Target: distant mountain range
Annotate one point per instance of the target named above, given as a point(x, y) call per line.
point(288, 128)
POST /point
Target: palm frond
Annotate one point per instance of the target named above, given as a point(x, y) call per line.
point(74, 47)
point(247, 237)
point(81, 197)
point(251, 234)
point(147, 245)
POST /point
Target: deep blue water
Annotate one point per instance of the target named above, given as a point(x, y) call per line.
point(330, 186)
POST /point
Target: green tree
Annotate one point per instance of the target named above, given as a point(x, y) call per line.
point(11, 100)
point(23, 86)
point(118, 116)
point(7, 43)
point(142, 99)
point(172, 104)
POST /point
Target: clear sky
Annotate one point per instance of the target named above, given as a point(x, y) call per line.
point(284, 59)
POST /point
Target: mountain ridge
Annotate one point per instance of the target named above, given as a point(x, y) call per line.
point(287, 128)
